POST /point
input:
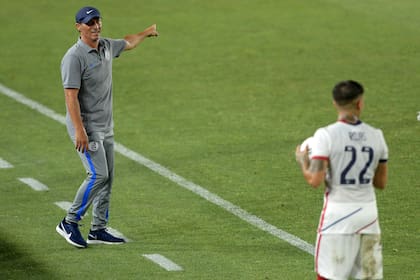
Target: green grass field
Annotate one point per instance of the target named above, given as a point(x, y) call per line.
point(221, 98)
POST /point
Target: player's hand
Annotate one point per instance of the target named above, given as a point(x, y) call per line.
point(151, 31)
point(82, 140)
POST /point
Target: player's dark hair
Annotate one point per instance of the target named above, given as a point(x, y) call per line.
point(346, 91)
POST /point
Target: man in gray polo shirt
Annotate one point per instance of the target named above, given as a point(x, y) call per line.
point(86, 71)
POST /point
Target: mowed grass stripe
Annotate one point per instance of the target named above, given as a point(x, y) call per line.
point(163, 171)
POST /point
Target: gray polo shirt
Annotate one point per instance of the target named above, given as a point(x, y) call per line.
point(90, 71)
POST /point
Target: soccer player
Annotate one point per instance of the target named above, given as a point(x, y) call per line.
point(351, 157)
point(86, 71)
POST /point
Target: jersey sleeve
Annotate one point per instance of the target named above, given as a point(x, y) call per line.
point(117, 46)
point(321, 145)
point(384, 155)
point(71, 73)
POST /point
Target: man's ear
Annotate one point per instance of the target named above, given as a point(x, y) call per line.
point(78, 26)
point(359, 104)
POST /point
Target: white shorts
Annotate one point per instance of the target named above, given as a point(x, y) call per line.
point(340, 256)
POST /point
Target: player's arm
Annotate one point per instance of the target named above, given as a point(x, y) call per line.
point(133, 40)
point(313, 170)
point(73, 107)
point(381, 176)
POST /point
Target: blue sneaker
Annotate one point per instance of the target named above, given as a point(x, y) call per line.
point(103, 236)
point(70, 232)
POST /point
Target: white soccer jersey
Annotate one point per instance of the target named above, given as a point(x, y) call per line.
point(353, 152)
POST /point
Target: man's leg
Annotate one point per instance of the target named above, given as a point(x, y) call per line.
point(96, 166)
point(102, 200)
point(94, 162)
point(336, 254)
point(368, 263)
point(98, 233)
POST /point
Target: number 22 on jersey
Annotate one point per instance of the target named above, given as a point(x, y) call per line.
point(344, 177)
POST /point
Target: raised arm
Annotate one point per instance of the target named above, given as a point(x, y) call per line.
point(73, 107)
point(313, 170)
point(134, 40)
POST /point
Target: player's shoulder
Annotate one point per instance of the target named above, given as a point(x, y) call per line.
point(77, 50)
point(332, 131)
point(108, 41)
point(327, 128)
point(372, 128)
point(72, 56)
point(112, 43)
point(323, 134)
point(72, 50)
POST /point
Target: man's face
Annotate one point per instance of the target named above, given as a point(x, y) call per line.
point(91, 30)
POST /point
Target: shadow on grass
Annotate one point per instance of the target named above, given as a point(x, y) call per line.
point(16, 264)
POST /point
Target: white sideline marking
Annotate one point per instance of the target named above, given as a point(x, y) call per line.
point(34, 184)
point(32, 104)
point(163, 171)
point(163, 262)
point(4, 164)
point(215, 199)
point(65, 205)
point(116, 233)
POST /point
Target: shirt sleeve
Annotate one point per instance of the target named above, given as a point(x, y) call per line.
point(71, 73)
point(384, 156)
point(321, 145)
point(117, 46)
